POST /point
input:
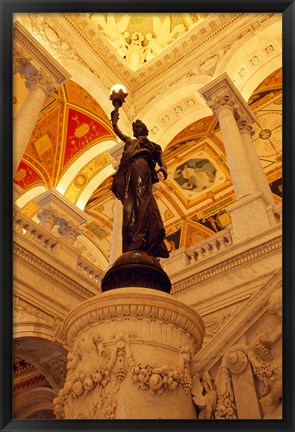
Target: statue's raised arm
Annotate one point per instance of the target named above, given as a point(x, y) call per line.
point(115, 118)
point(132, 184)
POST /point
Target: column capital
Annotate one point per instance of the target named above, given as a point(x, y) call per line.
point(222, 101)
point(20, 60)
point(68, 231)
point(42, 80)
point(221, 92)
point(245, 127)
point(47, 217)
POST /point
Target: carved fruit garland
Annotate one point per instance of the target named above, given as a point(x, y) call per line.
point(156, 379)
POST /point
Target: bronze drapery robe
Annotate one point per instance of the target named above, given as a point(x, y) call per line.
point(132, 184)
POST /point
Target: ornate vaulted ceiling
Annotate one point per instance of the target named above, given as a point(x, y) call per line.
point(140, 38)
point(70, 122)
point(73, 138)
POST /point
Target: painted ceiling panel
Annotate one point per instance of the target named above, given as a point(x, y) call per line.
point(70, 122)
point(27, 176)
point(82, 131)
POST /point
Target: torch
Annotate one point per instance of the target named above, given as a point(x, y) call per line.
point(118, 94)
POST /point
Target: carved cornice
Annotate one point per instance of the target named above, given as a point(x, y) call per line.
point(50, 271)
point(247, 257)
point(38, 57)
point(22, 307)
point(193, 48)
point(169, 321)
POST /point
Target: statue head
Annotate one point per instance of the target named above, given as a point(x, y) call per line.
point(139, 129)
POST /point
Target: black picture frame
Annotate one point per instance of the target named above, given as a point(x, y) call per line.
point(7, 8)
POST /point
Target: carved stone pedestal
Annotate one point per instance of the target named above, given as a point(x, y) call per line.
point(129, 357)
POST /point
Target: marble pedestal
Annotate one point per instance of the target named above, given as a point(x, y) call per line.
point(129, 357)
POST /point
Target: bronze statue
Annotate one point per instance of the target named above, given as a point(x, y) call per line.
point(132, 184)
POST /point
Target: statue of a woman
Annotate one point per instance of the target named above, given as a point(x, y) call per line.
point(132, 184)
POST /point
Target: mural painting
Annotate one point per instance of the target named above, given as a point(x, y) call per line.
point(215, 222)
point(172, 240)
point(195, 174)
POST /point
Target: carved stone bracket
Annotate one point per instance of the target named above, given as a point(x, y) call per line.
point(29, 52)
point(248, 383)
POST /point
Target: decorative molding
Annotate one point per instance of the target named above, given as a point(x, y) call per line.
point(50, 271)
point(23, 310)
point(39, 57)
point(251, 311)
point(247, 257)
point(142, 311)
point(216, 321)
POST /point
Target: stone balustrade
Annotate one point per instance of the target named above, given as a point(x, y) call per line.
point(207, 247)
point(31, 230)
point(89, 270)
point(54, 244)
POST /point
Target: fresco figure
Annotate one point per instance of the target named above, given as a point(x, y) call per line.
point(197, 176)
point(143, 227)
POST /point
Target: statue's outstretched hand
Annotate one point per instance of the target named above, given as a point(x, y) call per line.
point(163, 171)
point(115, 116)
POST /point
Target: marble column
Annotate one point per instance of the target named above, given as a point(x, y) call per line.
point(249, 214)
point(247, 132)
point(43, 75)
point(40, 87)
point(129, 357)
point(224, 108)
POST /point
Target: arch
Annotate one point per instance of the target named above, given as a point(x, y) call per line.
point(41, 353)
point(27, 403)
point(83, 160)
point(93, 185)
point(264, 63)
point(179, 95)
point(29, 195)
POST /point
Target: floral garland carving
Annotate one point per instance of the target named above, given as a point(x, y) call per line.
point(109, 371)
